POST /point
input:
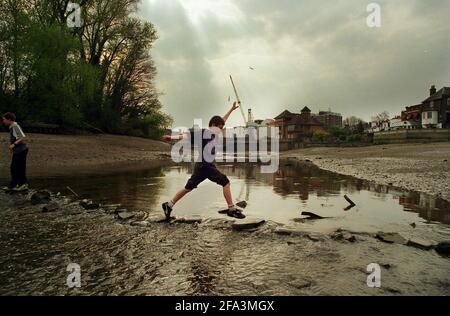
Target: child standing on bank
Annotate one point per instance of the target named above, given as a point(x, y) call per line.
point(205, 167)
point(19, 151)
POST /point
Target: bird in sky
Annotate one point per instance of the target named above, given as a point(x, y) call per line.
point(251, 68)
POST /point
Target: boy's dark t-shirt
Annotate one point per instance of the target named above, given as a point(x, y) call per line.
point(204, 139)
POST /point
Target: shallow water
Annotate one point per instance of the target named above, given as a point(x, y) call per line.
point(279, 197)
point(174, 259)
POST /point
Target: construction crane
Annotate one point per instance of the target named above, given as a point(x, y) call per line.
point(239, 101)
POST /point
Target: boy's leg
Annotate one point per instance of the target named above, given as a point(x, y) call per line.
point(216, 176)
point(180, 194)
point(228, 196)
point(22, 168)
point(196, 178)
point(14, 182)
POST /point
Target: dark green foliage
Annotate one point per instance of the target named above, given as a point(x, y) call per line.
point(97, 76)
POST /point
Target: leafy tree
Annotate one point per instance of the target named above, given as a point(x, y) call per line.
point(98, 75)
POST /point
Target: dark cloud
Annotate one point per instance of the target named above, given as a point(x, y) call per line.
point(315, 53)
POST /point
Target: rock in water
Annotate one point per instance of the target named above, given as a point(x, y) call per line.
point(52, 207)
point(443, 248)
point(125, 216)
point(89, 205)
point(287, 231)
point(420, 244)
point(247, 224)
point(391, 238)
point(41, 197)
point(300, 284)
point(157, 219)
point(140, 224)
point(188, 220)
point(242, 204)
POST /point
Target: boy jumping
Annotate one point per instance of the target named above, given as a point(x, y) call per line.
point(19, 151)
point(205, 168)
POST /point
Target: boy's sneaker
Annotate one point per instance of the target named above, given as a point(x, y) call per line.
point(167, 210)
point(21, 188)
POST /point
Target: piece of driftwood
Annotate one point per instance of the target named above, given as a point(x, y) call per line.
point(352, 204)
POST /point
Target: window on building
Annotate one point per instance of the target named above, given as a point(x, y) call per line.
point(430, 115)
point(448, 101)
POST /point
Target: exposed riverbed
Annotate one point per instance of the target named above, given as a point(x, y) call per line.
point(210, 258)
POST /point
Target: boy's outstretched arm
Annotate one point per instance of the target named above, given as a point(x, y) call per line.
point(233, 108)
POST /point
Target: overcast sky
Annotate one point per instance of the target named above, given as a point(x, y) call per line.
point(312, 53)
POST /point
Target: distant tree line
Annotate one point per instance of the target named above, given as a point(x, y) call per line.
point(100, 74)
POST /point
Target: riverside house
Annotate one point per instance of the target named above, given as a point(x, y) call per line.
point(434, 112)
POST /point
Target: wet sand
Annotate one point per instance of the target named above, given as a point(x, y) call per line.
point(417, 167)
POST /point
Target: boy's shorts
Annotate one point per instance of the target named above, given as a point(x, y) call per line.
point(203, 171)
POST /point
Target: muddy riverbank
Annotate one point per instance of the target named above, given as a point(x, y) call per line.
point(56, 155)
point(418, 167)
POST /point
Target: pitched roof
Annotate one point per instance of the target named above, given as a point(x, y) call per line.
point(284, 114)
point(306, 109)
point(445, 91)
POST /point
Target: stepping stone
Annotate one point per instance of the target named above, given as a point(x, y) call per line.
point(443, 248)
point(300, 284)
point(41, 197)
point(140, 224)
point(312, 216)
point(420, 244)
point(242, 204)
point(125, 216)
point(247, 224)
point(391, 238)
point(188, 220)
point(315, 237)
point(286, 231)
point(52, 207)
point(89, 205)
point(157, 219)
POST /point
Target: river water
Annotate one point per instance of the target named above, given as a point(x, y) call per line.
point(165, 259)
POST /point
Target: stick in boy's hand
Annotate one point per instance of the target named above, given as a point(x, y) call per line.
point(236, 105)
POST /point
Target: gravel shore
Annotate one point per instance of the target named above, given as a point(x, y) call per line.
point(418, 167)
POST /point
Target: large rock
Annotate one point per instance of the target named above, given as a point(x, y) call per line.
point(391, 238)
point(443, 248)
point(420, 243)
point(41, 197)
point(247, 224)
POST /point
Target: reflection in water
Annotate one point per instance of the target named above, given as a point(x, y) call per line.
point(279, 197)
